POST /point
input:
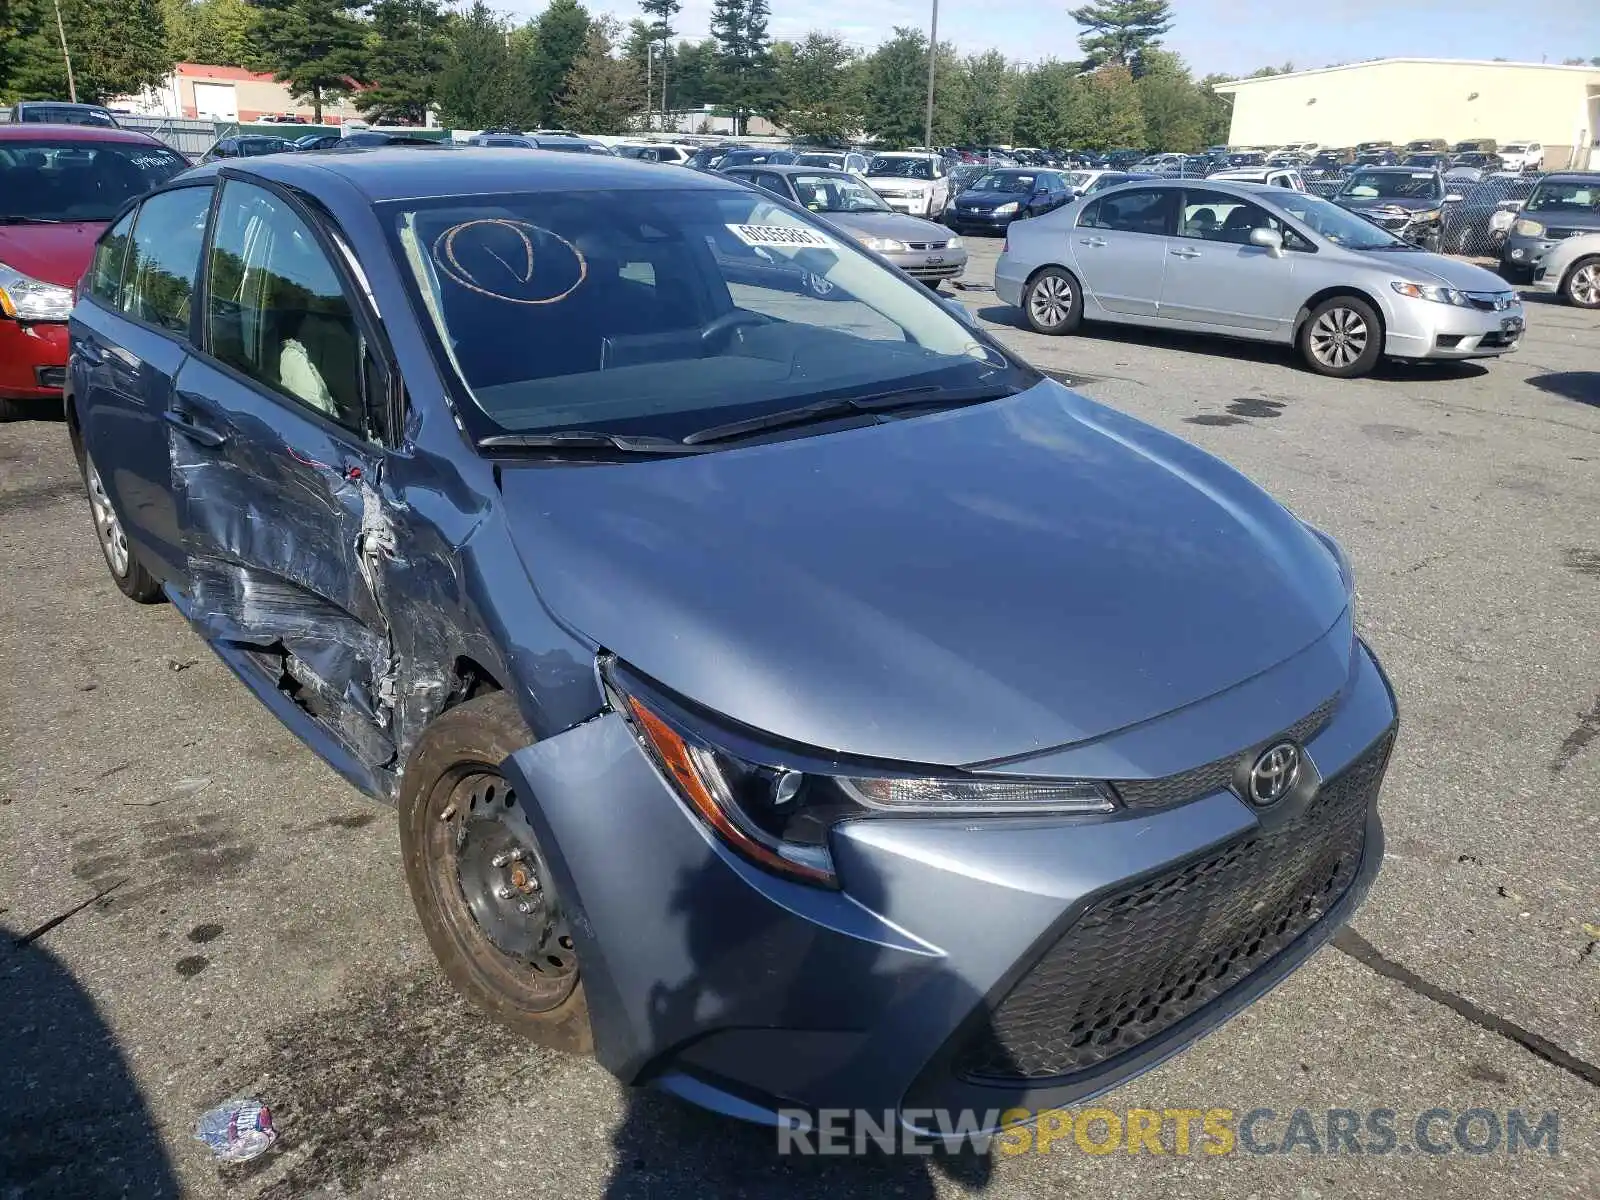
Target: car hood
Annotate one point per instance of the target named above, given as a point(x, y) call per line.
point(1437, 268)
point(897, 181)
point(57, 254)
point(977, 199)
point(1409, 203)
point(890, 225)
point(953, 588)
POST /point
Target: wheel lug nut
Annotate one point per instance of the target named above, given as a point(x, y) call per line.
point(524, 908)
point(503, 892)
point(501, 860)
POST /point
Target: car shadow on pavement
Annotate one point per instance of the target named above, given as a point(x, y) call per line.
point(1582, 386)
point(1236, 348)
point(666, 1147)
point(73, 1123)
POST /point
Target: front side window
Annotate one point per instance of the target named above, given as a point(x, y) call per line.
point(105, 270)
point(275, 309)
point(666, 311)
point(837, 194)
point(1140, 211)
point(159, 282)
point(49, 180)
point(1005, 181)
point(1573, 196)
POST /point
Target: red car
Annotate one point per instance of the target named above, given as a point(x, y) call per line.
point(60, 185)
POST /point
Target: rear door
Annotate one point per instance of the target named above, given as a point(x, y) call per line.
point(1215, 277)
point(129, 342)
point(1120, 246)
point(276, 436)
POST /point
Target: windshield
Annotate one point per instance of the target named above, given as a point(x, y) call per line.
point(820, 160)
point(905, 168)
point(663, 311)
point(1338, 225)
point(1005, 181)
point(837, 194)
point(79, 181)
point(1514, 148)
point(50, 114)
point(1390, 185)
point(1575, 196)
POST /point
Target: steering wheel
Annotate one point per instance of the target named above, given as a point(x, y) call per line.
point(717, 331)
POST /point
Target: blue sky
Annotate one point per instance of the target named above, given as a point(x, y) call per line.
point(1234, 36)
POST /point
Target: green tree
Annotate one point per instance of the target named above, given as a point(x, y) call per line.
point(602, 92)
point(694, 74)
point(743, 58)
point(1216, 112)
point(982, 100)
point(118, 47)
point(818, 88)
point(477, 77)
point(1173, 108)
point(210, 31)
point(552, 43)
point(1120, 31)
point(313, 46)
point(896, 81)
point(1115, 119)
point(406, 53)
point(1051, 107)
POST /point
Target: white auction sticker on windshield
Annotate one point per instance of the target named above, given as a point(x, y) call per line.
point(783, 237)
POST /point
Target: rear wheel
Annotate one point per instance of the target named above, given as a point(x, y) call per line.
point(1342, 337)
point(480, 880)
point(131, 578)
point(1582, 285)
point(1052, 302)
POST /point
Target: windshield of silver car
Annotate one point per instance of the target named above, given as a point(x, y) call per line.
point(662, 311)
point(1339, 226)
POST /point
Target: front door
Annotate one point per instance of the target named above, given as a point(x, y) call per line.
point(1120, 246)
point(1215, 277)
point(284, 529)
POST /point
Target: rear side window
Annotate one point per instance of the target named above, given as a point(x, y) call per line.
point(1143, 211)
point(159, 281)
point(275, 309)
point(105, 271)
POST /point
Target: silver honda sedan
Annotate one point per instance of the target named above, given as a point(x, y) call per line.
point(1253, 262)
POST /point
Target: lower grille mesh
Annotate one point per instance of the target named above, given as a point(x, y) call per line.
point(1141, 960)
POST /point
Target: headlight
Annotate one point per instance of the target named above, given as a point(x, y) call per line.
point(1005, 210)
point(29, 299)
point(953, 244)
point(1527, 228)
point(1439, 295)
point(778, 816)
point(883, 245)
point(1501, 220)
point(1432, 214)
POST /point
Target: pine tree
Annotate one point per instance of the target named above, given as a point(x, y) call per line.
point(555, 40)
point(743, 58)
point(602, 92)
point(118, 47)
point(1120, 31)
point(477, 78)
point(210, 31)
point(405, 55)
point(314, 46)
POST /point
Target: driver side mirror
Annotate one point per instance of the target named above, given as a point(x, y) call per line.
point(1269, 240)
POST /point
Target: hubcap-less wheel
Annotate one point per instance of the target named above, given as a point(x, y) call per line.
point(503, 885)
point(1051, 301)
point(106, 525)
point(1585, 285)
point(1338, 338)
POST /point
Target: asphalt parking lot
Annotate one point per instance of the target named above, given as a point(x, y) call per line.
point(253, 935)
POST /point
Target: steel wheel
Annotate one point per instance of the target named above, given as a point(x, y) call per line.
point(1050, 302)
point(1338, 338)
point(1583, 285)
point(106, 525)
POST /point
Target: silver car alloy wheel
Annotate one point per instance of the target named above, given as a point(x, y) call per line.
point(1051, 301)
point(1585, 284)
point(106, 525)
point(1338, 338)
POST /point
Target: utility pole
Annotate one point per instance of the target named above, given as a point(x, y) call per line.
point(933, 57)
point(72, 86)
point(663, 82)
point(649, 87)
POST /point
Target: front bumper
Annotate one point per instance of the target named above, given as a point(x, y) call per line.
point(750, 994)
point(964, 221)
point(912, 206)
point(33, 359)
point(1010, 276)
point(1521, 255)
point(929, 265)
point(1425, 329)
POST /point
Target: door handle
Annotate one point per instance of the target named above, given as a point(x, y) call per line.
point(1185, 252)
point(199, 434)
point(1093, 241)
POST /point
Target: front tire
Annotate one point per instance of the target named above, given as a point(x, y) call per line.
point(132, 580)
point(1581, 287)
point(1052, 302)
point(480, 881)
point(1342, 338)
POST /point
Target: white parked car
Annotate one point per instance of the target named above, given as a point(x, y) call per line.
point(661, 152)
point(912, 182)
point(1522, 156)
point(1284, 177)
point(1571, 269)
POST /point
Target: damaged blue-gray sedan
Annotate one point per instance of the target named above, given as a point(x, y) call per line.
point(796, 700)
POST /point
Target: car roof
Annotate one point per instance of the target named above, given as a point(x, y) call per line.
point(1571, 177)
point(32, 131)
point(791, 169)
point(905, 154)
point(383, 173)
point(1393, 170)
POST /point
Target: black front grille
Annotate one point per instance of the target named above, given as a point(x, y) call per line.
point(51, 377)
point(1216, 775)
point(1141, 960)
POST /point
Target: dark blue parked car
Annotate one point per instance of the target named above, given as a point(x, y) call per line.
point(798, 703)
point(990, 203)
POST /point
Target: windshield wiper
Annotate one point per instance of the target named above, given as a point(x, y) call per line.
point(11, 219)
point(584, 439)
point(827, 410)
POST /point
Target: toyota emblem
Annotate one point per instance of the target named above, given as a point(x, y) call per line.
point(1274, 773)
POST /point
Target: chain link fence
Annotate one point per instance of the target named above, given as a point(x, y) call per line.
point(1474, 226)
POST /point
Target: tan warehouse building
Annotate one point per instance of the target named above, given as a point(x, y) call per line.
point(1408, 99)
